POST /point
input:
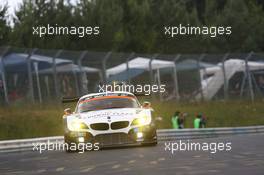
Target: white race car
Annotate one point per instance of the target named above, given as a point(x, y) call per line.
point(110, 119)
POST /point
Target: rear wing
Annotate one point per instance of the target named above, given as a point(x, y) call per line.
point(76, 99)
point(141, 94)
point(70, 99)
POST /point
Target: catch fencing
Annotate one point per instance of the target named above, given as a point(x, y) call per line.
point(39, 75)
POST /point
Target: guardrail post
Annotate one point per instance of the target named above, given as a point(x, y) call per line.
point(36, 69)
point(150, 68)
point(82, 56)
point(30, 77)
point(248, 74)
point(127, 66)
point(55, 72)
point(76, 83)
point(159, 84)
point(175, 77)
point(226, 81)
point(104, 73)
point(3, 75)
point(200, 78)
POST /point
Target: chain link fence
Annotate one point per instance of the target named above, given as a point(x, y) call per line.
point(38, 75)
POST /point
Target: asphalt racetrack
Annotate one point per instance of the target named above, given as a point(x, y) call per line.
point(246, 157)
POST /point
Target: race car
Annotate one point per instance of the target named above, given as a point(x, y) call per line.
point(110, 119)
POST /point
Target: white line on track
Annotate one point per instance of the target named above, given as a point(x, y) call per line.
point(59, 169)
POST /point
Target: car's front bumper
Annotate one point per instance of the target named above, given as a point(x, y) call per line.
point(135, 136)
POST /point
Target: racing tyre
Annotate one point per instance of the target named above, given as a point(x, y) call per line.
point(67, 141)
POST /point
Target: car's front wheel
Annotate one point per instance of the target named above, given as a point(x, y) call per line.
point(67, 143)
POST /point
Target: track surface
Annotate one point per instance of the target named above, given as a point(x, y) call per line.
point(246, 157)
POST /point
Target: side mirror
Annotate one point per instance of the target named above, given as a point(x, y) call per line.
point(146, 105)
point(67, 111)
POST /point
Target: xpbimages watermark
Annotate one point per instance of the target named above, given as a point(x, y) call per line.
point(145, 89)
point(212, 31)
point(80, 31)
point(61, 146)
point(187, 145)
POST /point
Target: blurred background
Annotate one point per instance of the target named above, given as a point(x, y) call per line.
point(222, 77)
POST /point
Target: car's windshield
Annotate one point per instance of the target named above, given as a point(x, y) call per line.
point(107, 102)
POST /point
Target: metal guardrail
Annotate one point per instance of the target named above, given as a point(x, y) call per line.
point(163, 135)
point(26, 144)
point(172, 134)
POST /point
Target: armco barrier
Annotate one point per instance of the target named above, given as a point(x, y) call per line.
point(26, 144)
point(163, 135)
point(172, 134)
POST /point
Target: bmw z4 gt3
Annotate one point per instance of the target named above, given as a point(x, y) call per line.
point(110, 119)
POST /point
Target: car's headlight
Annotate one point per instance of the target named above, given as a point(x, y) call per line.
point(143, 120)
point(77, 125)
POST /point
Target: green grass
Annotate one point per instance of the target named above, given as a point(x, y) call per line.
point(30, 121)
point(219, 114)
point(27, 121)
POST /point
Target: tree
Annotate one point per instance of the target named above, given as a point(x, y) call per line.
point(138, 25)
point(4, 27)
